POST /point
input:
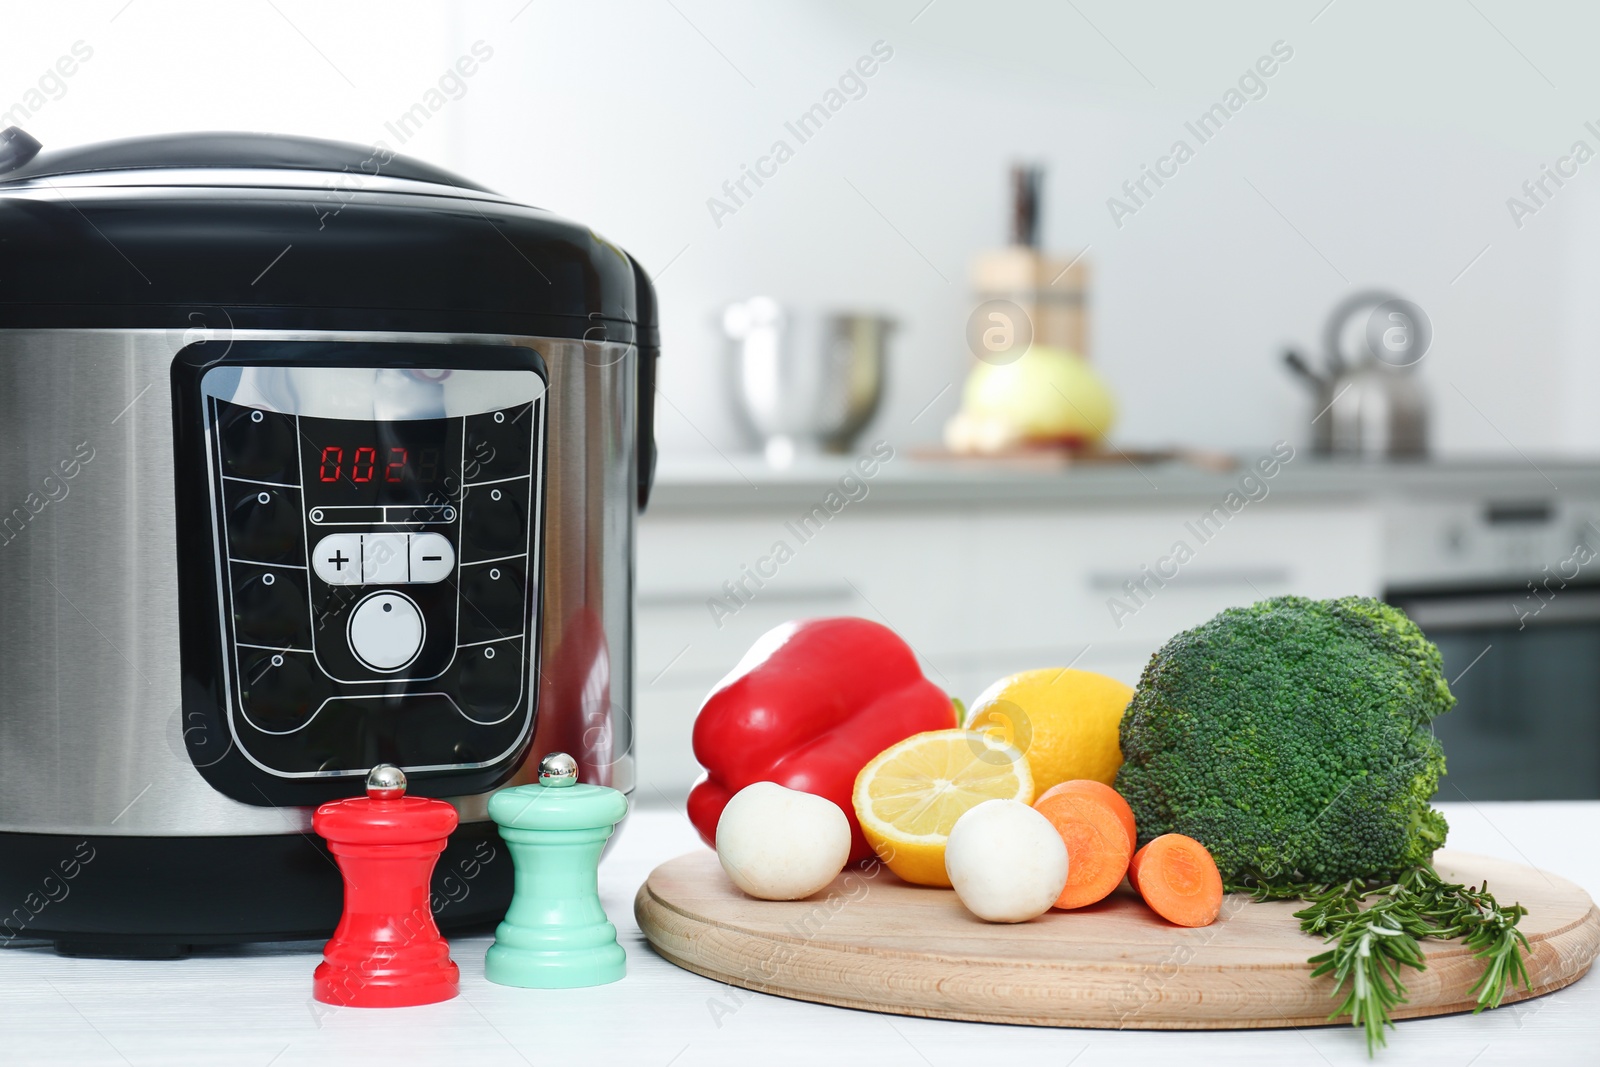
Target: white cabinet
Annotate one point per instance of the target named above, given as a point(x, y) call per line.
point(977, 593)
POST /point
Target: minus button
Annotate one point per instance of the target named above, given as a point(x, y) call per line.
point(432, 557)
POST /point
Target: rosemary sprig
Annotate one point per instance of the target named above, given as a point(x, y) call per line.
point(1374, 926)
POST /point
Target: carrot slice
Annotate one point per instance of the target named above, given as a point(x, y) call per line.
point(1090, 787)
point(1098, 849)
point(1178, 879)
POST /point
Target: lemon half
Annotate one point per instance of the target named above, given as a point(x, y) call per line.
point(911, 794)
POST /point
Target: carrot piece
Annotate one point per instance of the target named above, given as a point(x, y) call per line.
point(1097, 843)
point(1178, 879)
point(1092, 788)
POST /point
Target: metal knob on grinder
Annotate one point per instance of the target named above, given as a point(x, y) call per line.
point(558, 769)
point(386, 782)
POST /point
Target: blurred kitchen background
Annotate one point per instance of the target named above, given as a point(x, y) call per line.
point(1422, 159)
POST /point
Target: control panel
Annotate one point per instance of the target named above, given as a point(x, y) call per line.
point(376, 536)
point(1474, 540)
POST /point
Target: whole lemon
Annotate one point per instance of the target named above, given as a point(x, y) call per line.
point(1064, 721)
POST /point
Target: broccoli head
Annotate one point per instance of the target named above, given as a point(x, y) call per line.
point(1292, 739)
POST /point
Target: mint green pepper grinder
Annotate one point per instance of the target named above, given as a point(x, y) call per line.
point(555, 934)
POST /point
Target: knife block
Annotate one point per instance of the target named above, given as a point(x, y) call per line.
point(1052, 292)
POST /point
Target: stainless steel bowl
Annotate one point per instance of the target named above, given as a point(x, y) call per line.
point(806, 382)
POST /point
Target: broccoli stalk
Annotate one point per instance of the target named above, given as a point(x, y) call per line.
point(1293, 739)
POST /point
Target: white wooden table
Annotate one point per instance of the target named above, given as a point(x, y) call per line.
point(253, 1006)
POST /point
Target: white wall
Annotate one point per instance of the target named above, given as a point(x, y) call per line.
point(1390, 142)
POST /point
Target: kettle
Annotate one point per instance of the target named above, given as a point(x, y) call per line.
point(1372, 407)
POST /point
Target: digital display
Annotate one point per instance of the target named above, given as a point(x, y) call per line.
point(367, 463)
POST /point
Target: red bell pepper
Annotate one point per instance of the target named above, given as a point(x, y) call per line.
point(809, 705)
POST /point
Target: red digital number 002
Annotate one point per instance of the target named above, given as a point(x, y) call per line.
point(365, 464)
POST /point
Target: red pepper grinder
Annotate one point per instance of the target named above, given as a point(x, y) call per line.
point(386, 951)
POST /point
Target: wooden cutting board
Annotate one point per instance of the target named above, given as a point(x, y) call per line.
point(871, 941)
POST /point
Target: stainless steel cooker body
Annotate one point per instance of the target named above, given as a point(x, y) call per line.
point(96, 739)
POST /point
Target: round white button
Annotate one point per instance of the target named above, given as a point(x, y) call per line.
point(386, 631)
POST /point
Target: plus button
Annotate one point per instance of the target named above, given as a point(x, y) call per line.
point(337, 559)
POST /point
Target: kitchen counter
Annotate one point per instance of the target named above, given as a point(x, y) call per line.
point(741, 482)
point(252, 1005)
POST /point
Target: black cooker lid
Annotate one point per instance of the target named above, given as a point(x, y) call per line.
point(271, 231)
point(229, 151)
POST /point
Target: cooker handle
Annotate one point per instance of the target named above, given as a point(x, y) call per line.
point(16, 149)
point(649, 345)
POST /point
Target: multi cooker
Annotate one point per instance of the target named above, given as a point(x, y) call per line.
point(315, 457)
